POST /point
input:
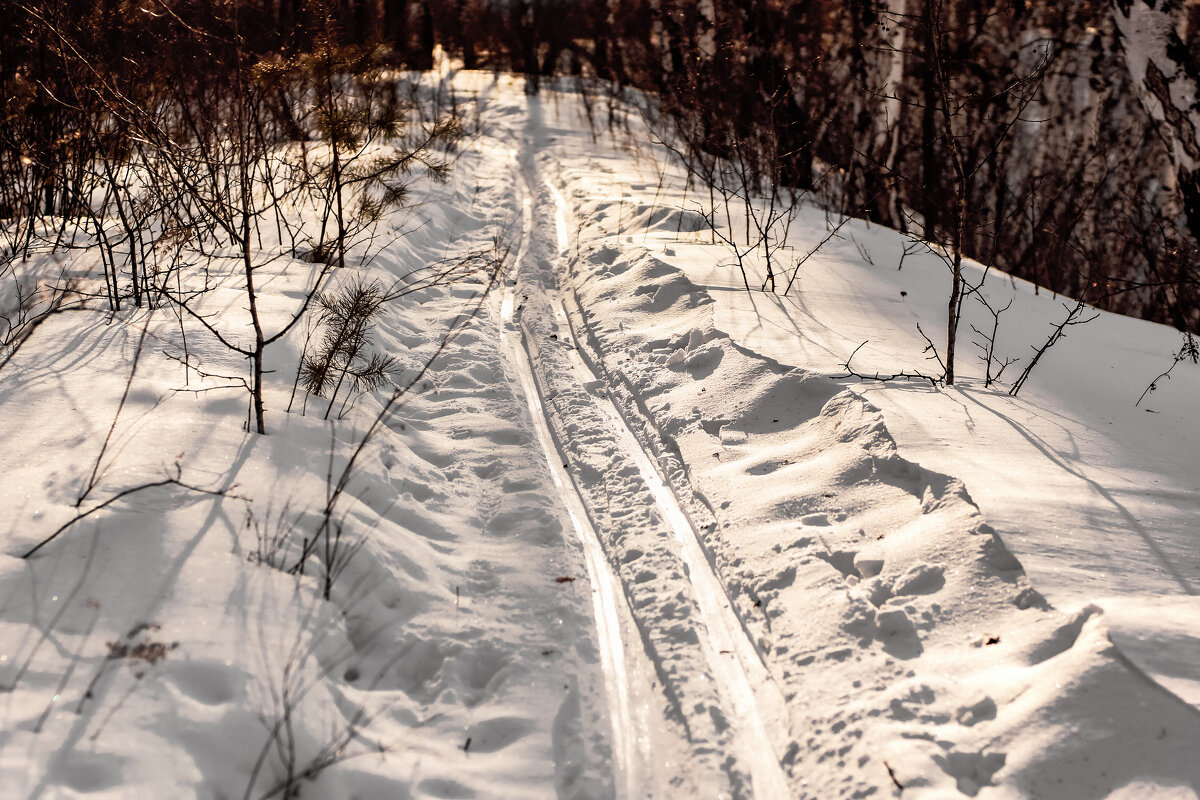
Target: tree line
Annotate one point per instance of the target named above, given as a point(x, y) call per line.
point(1053, 141)
point(1050, 140)
point(1058, 142)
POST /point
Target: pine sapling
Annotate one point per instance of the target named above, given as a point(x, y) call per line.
point(342, 358)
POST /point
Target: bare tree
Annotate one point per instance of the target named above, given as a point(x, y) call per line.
point(971, 139)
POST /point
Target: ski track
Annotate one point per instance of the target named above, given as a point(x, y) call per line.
point(626, 669)
point(743, 678)
point(751, 702)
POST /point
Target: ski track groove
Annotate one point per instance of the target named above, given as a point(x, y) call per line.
point(745, 680)
point(629, 706)
point(756, 728)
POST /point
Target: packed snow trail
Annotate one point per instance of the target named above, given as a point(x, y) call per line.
point(628, 675)
point(745, 704)
point(743, 678)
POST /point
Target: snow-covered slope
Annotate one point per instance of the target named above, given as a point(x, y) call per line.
point(746, 579)
point(1096, 493)
point(810, 486)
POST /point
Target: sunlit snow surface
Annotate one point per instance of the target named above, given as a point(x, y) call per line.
point(1097, 496)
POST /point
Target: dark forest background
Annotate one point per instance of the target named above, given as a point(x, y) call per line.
point(1041, 138)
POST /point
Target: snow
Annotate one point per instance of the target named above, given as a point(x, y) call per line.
point(629, 536)
point(1097, 496)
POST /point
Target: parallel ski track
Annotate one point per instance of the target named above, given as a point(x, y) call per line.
point(741, 677)
point(627, 671)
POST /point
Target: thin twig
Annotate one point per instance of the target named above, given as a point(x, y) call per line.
point(115, 498)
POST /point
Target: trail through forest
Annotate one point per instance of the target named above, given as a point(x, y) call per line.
point(633, 533)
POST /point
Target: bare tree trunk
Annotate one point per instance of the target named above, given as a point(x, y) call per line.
point(956, 285)
point(1168, 86)
point(929, 104)
point(256, 386)
point(245, 156)
point(962, 178)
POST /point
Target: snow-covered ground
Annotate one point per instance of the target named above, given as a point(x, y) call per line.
point(627, 537)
